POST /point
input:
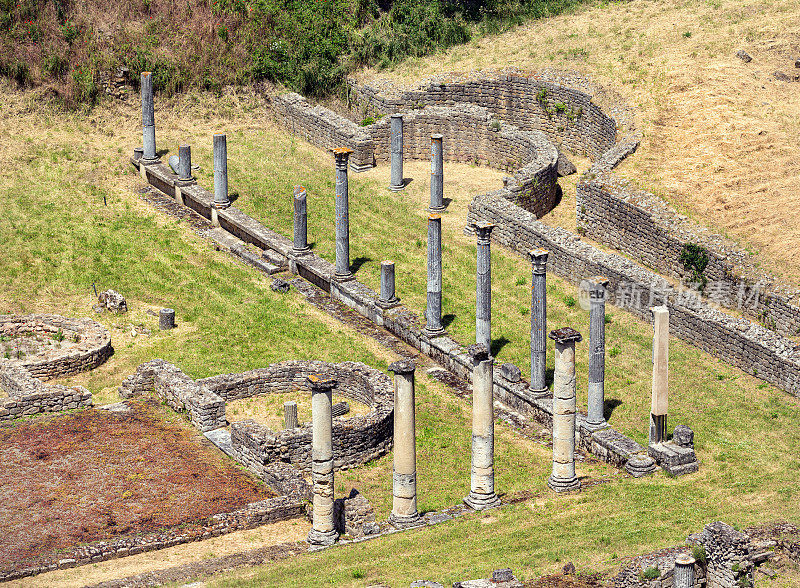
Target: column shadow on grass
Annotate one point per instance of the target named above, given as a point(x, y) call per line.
point(498, 344)
point(609, 405)
point(447, 320)
point(356, 264)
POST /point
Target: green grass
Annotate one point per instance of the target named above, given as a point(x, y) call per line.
point(59, 238)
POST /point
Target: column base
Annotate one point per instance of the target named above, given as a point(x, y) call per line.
point(344, 277)
point(431, 333)
point(482, 501)
point(149, 160)
point(405, 521)
point(299, 252)
point(438, 209)
point(322, 537)
point(361, 168)
point(397, 188)
point(563, 484)
point(595, 426)
point(221, 205)
point(387, 304)
point(185, 181)
point(641, 465)
point(539, 393)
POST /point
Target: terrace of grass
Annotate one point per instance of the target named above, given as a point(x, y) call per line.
point(59, 238)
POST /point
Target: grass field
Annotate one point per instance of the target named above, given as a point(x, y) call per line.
point(59, 238)
point(720, 135)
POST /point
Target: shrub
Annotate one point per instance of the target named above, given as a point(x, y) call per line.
point(58, 335)
point(699, 554)
point(368, 120)
point(84, 85)
point(651, 573)
point(694, 259)
point(55, 65)
point(69, 31)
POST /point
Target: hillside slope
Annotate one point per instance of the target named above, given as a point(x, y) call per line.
point(721, 136)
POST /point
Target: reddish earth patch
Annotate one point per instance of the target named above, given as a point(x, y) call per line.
point(97, 475)
point(566, 581)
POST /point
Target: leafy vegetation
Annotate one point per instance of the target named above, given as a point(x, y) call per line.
point(308, 46)
point(694, 259)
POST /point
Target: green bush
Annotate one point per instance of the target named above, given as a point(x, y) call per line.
point(699, 553)
point(694, 259)
point(55, 65)
point(651, 573)
point(84, 85)
point(69, 31)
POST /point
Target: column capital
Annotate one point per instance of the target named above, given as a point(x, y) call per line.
point(403, 366)
point(342, 154)
point(597, 287)
point(479, 352)
point(320, 383)
point(299, 191)
point(436, 137)
point(565, 336)
point(434, 217)
point(397, 115)
point(483, 230)
point(539, 260)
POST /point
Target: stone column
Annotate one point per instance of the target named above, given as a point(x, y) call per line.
point(404, 472)
point(221, 199)
point(481, 492)
point(388, 298)
point(185, 163)
point(396, 147)
point(322, 531)
point(563, 477)
point(437, 174)
point(684, 571)
point(597, 352)
point(658, 406)
point(148, 120)
point(342, 154)
point(300, 221)
point(538, 320)
point(166, 319)
point(483, 298)
point(433, 312)
point(290, 414)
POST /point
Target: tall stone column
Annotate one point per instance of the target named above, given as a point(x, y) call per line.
point(322, 531)
point(433, 312)
point(342, 154)
point(538, 320)
point(388, 297)
point(563, 478)
point(597, 352)
point(221, 199)
point(684, 571)
point(404, 472)
point(396, 147)
point(437, 174)
point(148, 120)
point(658, 405)
point(300, 244)
point(483, 298)
point(290, 415)
point(481, 492)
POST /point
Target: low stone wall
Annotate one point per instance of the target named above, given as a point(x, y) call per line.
point(205, 409)
point(28, 396)
point(471, 135)
point(563, 105)
point(644, 227)
point(92, 349)
point(356, 440)
point(740, 342)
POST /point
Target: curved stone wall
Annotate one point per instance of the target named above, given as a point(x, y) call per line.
point(356, 440)
point(560, 104)
point(91, 350)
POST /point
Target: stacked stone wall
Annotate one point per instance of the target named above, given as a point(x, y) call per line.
point(559, 104)
point(745, 344)
point(641, 225)
point(356, 440)
point(92, 349)
point(28, 396)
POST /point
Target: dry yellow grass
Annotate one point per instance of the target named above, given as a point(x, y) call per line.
point(720, 136)
point(267, 409)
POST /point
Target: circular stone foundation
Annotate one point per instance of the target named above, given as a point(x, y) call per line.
point(357, 439)
point(50, 346)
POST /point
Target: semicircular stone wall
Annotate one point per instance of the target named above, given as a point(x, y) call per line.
point(356, 439)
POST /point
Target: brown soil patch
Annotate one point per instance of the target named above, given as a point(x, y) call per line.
point(267, 409)
point(565, 581)
point(97, 475)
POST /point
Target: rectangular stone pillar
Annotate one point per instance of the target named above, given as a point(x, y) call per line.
point(404, 470)
point(148, 121)
point(396, 152)
point(563, 478)
point(322, 531)
point(538, 321)
point(597, 352)
point(433, 312)
point(481, 493)
point(658, 405)
point(388, 297)
point(483, 298)
point(437, 174)
point(342, 206)
point(300, 244)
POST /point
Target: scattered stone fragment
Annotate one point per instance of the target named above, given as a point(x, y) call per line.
point(279, 285)
point(741, 54)
point(683, 436)
point(569, 569)
point(565, 167)
point(511, 372)
point(113, 301)
point(781, 77)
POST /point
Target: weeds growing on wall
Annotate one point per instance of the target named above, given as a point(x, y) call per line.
point(694, 259)
point(307, 45)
